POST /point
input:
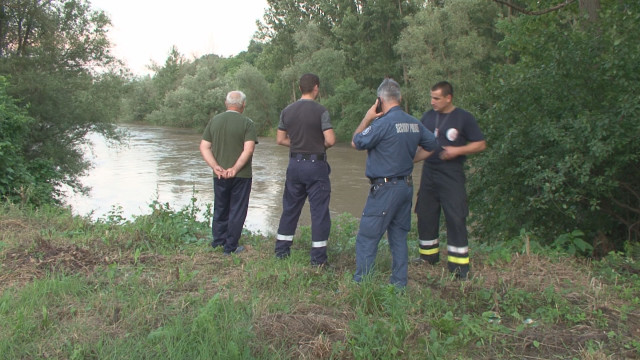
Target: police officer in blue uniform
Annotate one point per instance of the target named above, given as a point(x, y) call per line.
point(391, 138)
point(305, 127)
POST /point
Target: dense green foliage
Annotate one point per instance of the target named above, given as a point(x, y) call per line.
point(21, 181)
point(55, 57)
point(562, 125)
point(457, 42)
point(351, 44)
point(555, 88)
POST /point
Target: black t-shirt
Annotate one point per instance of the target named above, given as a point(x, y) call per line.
point(456, 128)
point(305, 121)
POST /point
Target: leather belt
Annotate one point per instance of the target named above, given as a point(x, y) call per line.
point(302, 156)
point(389, 179)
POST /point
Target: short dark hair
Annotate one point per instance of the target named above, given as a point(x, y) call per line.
point(308, 82)
point(445, 87)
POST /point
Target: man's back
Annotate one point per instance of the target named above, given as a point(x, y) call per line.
point(227, 133)
point(303, 121)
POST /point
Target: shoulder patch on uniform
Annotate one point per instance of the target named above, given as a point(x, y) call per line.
point(366, 131)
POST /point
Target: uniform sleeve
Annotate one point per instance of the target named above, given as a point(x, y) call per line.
point(281, 125)
point(326, 121)
point(369, 137)
point(472, 130)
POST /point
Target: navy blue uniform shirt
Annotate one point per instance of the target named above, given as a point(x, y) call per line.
point(456, 128)
point(391, 142)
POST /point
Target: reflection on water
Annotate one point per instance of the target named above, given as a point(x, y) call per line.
point(164, 164)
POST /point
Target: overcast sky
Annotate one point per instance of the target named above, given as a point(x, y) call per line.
point(145, 30)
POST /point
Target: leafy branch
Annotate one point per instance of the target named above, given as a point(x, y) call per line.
point(539, 12)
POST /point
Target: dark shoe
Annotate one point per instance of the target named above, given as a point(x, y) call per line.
point(421, 261)
point(462, 276)
point(215, 246)
point(322, 266)
point(238, 250)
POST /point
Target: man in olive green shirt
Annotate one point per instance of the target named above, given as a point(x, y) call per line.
point(227, 146)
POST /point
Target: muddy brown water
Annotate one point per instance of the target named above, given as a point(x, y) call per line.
point(164, 164)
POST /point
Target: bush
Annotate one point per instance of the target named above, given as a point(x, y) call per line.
point(561, 127)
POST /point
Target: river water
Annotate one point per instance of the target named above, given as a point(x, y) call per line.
point(164, 164)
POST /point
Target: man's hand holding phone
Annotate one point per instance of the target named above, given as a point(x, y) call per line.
point(379, 106)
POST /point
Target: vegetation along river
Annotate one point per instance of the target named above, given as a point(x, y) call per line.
point(164, 164)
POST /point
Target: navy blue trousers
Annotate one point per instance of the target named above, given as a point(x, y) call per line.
point(306, 179)
point(388, 209)
point(229, 211)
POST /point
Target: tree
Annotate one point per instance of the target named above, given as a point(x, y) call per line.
point(56, 58)
point(367, 33)
point(562, 129)
point(456, 42)
point(259, 98)
point(20, 180)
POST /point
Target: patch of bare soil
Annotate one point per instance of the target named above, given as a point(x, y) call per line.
point(29, 262)
point(310, 331)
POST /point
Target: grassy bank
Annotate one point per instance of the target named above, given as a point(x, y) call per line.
point(152, 288)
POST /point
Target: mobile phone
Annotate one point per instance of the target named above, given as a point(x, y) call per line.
point(379, 107)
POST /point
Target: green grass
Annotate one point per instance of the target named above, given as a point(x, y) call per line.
point(152, 288)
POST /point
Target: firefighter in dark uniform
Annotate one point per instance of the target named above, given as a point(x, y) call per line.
point(442, 184)
point(305, 127)
point(391, 142)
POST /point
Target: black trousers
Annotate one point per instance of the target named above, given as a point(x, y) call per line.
point(442, 189)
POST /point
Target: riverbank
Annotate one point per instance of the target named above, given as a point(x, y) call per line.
point(152, 288)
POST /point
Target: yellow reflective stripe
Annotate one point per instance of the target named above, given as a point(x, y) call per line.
point(458, 260)
point(428, 251)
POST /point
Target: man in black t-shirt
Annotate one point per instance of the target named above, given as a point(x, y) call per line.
point(305, 127)
point(442, 184)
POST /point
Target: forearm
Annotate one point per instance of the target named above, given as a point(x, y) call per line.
point(451, 152)
point(329, 138)
point(366, 121)
point(207, 155)
point(282, 138)
point(242, 160)
point(472, 148)
point(421, 154)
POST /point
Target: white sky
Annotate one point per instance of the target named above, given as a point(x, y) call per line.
point(145, 30)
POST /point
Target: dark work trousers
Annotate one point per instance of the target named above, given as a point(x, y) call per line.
point(306, 178)
point(229, 211)
point(388, 209)
point(442, 188)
